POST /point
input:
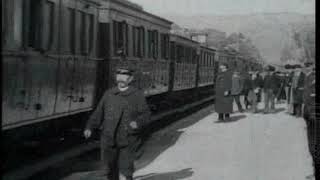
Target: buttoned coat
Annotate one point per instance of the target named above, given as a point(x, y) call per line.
point(298, 91)
point(114, 113)
point(223, 103)
point(308, 99)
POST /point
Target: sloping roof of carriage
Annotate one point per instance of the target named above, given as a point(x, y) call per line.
point(209, 48)
point(184, 40)
point(134, 10)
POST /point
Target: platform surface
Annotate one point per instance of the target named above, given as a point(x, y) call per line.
point(248, 147)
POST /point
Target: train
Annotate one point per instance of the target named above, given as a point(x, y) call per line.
point(59, 56)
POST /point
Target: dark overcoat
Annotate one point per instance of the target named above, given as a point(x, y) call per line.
point(298, 91)
point(271, 82)
point(247, 84)
point(223, 104)
point(114, 113)
point(309, 101)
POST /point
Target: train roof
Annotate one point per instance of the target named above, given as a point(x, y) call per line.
point(208, 48)
point(184, 40)
point(132, 9)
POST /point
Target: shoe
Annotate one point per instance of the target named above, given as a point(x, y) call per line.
point(241, 110)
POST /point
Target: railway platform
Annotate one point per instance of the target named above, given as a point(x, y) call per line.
point(197, 147)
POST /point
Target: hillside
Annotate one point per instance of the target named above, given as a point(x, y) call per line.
point(269, 32)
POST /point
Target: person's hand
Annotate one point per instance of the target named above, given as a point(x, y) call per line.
point(87, 133)
point(133, 125)
point(301, 88)
point(312, 95)
point(226, 93)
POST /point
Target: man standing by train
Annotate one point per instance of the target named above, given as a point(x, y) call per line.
point(224, 99)
point(297, 91)
point(313, 124)
point(237, 88)
point(270, 86)
point(121, 113)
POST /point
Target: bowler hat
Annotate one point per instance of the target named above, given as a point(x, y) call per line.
point(308, 64)
point(125, 70)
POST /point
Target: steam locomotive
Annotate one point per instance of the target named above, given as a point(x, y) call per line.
point(59, 56)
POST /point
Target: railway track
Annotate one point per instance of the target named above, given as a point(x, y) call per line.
point(158, 121)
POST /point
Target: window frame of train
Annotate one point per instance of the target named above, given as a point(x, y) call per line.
point(165, 43)
point(153, 44)
point(28, 26)
point(120, 44)
point(138, 41)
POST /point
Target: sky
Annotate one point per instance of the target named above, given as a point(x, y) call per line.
point(226, 7)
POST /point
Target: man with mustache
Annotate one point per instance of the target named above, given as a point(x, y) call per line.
point(121, 114)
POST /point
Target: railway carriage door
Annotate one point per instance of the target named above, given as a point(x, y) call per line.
point(85, 63)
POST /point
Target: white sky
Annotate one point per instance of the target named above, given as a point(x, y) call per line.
point(225, 7)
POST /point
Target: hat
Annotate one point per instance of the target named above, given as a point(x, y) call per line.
point(125, 70)
point(270, 68)
point(288, 66)
point(297, 66)
point(308, 64)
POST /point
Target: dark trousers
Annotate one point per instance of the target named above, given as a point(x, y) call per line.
point(313, 129)
point(222, 116)
point(237, 99)
point(297, 109)
point(246, 101)
point(118, 160)
point(269, 98)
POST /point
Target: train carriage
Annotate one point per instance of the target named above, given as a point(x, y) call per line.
point(184, 58)
point(207, 67)
point(47, 47)
point(138, 39)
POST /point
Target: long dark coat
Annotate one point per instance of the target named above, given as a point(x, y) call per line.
point(298, 91)
point(223, 104)
point(309, 101)
point(271, 82)
point(114, 113)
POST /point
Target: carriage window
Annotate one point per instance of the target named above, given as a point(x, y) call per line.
point(141, 42)
point(151, 44)
point(120, 31)
point(164, 46)
point(48, 24)
point(134, 41)
point(194, 56)
point(34, 25)
point(180, 53)
point(91, 31)
point(138, 39)
point(83, 32)
point(12, 32)
point(72, 32)
point(156, 42)
point(172, 51)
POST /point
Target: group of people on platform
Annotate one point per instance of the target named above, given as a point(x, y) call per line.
point(295, 86)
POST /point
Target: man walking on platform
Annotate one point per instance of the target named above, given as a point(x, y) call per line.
point(237, 87)
point(270, 86)
point(309, 114)
point(297, 90)
point(223, 100)
point(121, 114)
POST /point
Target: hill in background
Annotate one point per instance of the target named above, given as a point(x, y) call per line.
point(272, 33)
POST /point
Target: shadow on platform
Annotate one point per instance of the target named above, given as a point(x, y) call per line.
point(161, 141)
point(232, 119)
point(176, 175)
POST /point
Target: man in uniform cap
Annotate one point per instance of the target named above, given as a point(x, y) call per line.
point(270, 86)
point(313, 125)
point(297, 90)
point(121, 114)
